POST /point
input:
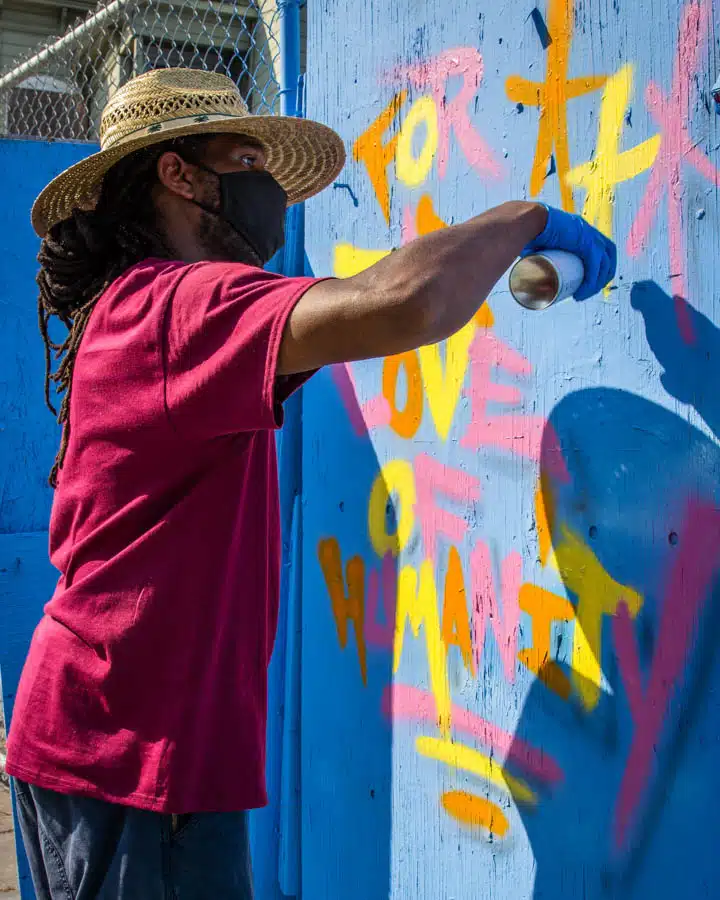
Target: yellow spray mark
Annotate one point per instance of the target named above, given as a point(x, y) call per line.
point(350, 260)
point(598, 595)
point(414, 170)
point(551, 96)
point(460, 756)
point(395, 478)
point(443, 384)
point(419, 606)
point(610, 167)
point(347, 606)
point(544, 517)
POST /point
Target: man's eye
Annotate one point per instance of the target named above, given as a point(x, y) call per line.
point(252, 162)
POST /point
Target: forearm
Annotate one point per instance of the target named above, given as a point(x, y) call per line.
point(417, 295)
point(445, 276)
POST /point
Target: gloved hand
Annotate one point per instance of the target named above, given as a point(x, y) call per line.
point(598, 253)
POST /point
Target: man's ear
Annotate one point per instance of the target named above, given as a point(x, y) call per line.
point(178, 176)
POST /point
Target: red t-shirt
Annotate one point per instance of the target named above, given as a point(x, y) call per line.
point(146, 680)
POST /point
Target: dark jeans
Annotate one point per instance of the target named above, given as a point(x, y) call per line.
point(84, 849)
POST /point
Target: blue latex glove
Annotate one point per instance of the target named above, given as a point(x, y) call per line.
point(598, 253)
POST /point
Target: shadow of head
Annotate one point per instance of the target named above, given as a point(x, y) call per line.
point(621, 519)
point(689, 367)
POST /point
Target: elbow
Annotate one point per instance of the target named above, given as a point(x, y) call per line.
point(421, 317)
point(432, 316)
point(415, 318)
point(412, 311)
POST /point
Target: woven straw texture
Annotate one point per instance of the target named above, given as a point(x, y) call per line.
point(303, 156)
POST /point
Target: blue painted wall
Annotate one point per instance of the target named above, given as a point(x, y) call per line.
point(567, 459)
point(28, 434)
point(28, 442)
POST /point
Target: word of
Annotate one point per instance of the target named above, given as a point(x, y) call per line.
point(413, 489)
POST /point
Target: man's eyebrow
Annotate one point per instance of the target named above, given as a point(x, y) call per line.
point(243, 141)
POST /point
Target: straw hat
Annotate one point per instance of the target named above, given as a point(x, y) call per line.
point(162, 104)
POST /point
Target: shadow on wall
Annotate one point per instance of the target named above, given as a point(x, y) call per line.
point(635, 814)
point(346, 736)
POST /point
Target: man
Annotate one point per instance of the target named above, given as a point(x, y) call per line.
point(138, 739)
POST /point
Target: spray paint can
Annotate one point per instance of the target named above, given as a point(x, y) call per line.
point(542, 279)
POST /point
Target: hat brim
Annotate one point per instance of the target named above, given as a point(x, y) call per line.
point(302, 155)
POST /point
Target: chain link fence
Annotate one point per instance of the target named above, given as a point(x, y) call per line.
point(59, 91)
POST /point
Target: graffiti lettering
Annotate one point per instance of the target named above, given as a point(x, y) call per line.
point(598, 595)
point(687, 589)
point(418, 605)
point(453, 115)
point(609, 167)
point(413, 170)
point(505, 621)
point(551, 97)
point(376, 156)
point(433, 477)
point(406, 421)
point(519, 434)
point(544, 609)
point(455, 620)
point(677, 146)
point(396, 479)
point(347, 605)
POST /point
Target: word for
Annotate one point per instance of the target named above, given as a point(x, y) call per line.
point(439, 117)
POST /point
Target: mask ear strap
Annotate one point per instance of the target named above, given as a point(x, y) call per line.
point(207, 208)
point(219, 212)
point(205, 168)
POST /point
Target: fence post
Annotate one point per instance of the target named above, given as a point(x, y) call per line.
point(290, 856)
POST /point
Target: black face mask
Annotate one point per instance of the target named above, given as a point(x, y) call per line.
point(254, 204)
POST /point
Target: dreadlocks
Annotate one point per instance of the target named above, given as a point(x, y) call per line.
point(82, 256)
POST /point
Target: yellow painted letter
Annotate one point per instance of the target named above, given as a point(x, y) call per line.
point(598, 595)
point(414, 170)
point(420, 607)
point(397, 477)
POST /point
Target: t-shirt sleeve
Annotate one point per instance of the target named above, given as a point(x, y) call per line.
point(222, 333)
